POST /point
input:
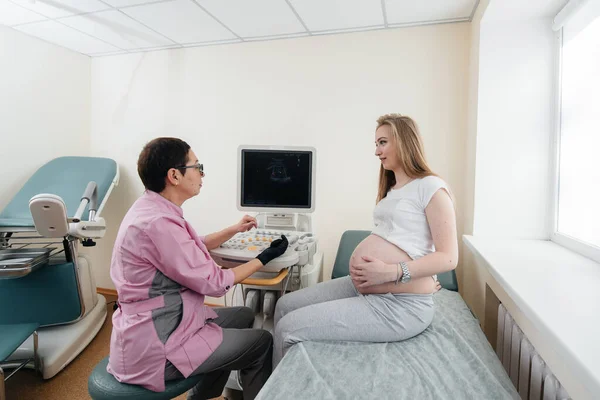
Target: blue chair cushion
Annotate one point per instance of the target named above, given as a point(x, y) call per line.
point(38, 294)
point(104, 386)
point(66, 177)
point(12, 336)
point(351, 239)
point(348, 242)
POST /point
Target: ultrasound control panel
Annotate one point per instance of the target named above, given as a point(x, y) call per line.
point(247, 245)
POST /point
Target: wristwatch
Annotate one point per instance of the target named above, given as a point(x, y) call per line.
point(405, 272)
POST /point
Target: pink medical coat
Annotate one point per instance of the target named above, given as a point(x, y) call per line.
point(156, 244)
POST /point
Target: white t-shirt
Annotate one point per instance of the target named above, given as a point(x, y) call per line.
point(400, 217)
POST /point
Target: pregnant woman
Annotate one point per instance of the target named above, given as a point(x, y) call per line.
point(388, 295)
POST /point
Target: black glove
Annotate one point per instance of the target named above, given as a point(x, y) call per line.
point(277, 248)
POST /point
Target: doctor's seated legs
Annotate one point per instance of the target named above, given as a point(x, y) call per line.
point(244, 349)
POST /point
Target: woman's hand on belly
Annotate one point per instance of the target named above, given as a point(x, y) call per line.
point(371, 271)
point(372, 253)
point(373, 276)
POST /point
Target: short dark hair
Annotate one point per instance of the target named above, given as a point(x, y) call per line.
point(157, 157)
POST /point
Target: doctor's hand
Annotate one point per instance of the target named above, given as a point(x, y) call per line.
point(277, 248)
point(372, 271)
point(245, 224)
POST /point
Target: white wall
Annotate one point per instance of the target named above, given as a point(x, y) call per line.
point(514, 129)
point(509, 157)
point(470, 282)
point(324, 92)
point(44, 107)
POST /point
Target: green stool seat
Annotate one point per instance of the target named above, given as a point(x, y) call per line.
point(104, 386)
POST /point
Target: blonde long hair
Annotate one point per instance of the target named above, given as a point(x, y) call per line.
point(409, 148)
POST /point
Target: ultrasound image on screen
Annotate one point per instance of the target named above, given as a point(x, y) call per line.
point(276, 178)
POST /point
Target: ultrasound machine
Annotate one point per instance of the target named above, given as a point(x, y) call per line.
point(278, 184)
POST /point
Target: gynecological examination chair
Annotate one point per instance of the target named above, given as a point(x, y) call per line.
point(49, 308)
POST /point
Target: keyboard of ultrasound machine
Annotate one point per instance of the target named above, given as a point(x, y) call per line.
point(247, 245)
point(255, 241)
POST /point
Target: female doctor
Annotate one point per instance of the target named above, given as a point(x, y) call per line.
point(162, 271)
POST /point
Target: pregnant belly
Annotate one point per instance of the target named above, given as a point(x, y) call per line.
point(378, 247)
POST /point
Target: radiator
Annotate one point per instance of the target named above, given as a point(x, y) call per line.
point(526, 369)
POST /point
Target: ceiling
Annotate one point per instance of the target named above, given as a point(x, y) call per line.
point(511, 10)
point(108, 27)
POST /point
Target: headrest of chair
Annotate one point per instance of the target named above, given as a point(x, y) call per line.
point(66, 177)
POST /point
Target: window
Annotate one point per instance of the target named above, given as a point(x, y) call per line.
point(577, 224)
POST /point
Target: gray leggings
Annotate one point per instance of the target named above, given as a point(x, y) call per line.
point(334, 310)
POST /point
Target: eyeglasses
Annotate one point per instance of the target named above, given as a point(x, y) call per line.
point(198, 166)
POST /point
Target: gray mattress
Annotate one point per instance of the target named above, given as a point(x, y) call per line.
point(450, 360)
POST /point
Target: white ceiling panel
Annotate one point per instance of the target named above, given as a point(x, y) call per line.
point(173, 46)
point(110, 53)
point(327, 15)
point(511, 10)
point(181, 21)
point(407, 12)
point(12, 14)
point(117, 29)
point(62, 35)
point(361, 29)
point(275, 37)
point(213, 43)
point(127, 3)
point(61, 8)
point(255, 18)
point(107, 27)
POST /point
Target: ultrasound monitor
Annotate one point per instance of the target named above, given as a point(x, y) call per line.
point(276, 179)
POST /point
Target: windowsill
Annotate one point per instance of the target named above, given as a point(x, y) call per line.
point(558, 291)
